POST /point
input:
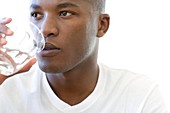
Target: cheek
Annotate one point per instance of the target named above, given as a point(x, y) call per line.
point(74, 35)
point(81, 43)
point(75, 44)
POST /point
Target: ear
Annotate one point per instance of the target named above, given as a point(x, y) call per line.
point(103, 25)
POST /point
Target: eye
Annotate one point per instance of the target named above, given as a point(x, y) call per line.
point(65, 13)
point(36, 15)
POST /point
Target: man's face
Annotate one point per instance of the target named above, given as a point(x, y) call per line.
point(69, 28)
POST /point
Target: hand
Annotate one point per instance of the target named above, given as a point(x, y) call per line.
point(24, 69)
point(28, 65)
point(4, 30)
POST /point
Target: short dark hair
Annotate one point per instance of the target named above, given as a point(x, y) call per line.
point(99, 5)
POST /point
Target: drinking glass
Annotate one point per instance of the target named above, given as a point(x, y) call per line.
point(21, 47)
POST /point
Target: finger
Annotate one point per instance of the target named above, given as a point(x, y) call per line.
point(3, 28)
point(24, 69)
point(28, 65)
point(5, 20)
point(2, 41)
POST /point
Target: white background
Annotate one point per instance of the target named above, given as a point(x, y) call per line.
point(138, 38)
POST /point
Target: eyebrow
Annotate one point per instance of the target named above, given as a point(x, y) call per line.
point(34, 6)
point(62, 5)
point(66, 4)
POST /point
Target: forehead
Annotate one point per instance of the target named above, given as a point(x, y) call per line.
point(79, 3)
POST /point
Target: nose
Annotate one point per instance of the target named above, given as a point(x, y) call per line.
point(49, 27)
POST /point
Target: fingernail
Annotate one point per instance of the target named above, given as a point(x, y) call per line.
point(9, 32)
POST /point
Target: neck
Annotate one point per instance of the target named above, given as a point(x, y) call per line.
point(74, 86)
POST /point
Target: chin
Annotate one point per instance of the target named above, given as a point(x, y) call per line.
point(51, 68)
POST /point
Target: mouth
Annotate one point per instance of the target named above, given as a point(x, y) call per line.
point(49, 46)
point(50, 50)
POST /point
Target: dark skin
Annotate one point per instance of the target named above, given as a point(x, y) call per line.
point(72, 29)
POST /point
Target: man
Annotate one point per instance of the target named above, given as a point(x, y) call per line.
point(67, 78)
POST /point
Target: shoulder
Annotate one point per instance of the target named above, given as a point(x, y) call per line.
point(20, 88)
point(131, 91)
point(127, 83)
point(125, 76)
point(22, 81)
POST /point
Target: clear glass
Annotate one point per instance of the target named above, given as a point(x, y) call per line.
point(20, 48)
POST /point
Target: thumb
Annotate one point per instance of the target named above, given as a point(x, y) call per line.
point(24, 69)
point(28, 65)
point(2, 78)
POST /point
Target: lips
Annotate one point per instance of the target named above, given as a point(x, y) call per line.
point(49, 46)
point(50, 50)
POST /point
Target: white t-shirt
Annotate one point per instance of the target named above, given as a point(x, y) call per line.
point(117, 91)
